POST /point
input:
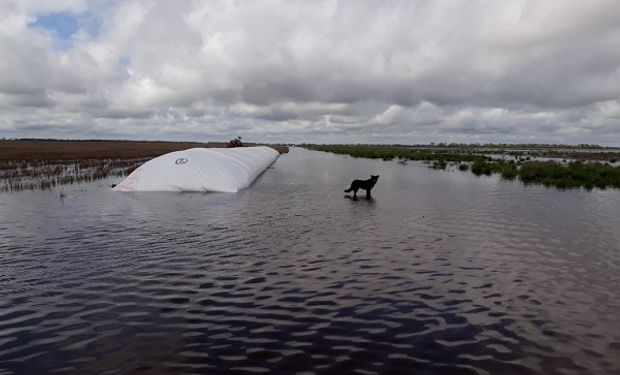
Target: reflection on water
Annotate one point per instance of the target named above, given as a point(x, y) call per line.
point(442, 272)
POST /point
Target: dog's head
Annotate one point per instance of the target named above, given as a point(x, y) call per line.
point(373, 177)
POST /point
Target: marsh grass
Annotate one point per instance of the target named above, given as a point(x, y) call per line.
point(389, 153)
point(574, 174)
point(47, 174)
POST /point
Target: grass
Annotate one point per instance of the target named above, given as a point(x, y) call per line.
point(390, 153)
point(507, 169)
point(575, 174)
point(38, 174)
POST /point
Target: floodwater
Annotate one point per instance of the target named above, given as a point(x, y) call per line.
point(441, 273)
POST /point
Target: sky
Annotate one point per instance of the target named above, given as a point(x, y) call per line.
point(359, 71)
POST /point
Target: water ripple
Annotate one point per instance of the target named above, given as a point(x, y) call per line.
point(440, 273)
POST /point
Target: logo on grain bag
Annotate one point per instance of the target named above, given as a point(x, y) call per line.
point(180, 161)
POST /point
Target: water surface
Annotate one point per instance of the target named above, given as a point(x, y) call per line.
point(441, 273)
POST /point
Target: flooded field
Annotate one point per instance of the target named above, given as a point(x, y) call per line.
point(443, 272)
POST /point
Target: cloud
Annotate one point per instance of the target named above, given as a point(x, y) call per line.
point(291, 71)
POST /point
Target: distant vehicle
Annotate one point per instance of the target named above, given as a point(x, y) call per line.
point(235, 143)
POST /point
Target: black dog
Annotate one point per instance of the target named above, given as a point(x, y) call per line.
point(363, 184)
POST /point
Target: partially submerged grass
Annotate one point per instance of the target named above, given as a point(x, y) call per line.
point(507, 169)
point(575, 174)
point(549, 173)
point(47, 174)
point(389, 153)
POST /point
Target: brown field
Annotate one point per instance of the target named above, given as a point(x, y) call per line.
point(63, 150)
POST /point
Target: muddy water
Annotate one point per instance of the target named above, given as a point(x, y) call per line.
point(442, 272)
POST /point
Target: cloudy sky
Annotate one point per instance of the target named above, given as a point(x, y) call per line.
point(369, 71)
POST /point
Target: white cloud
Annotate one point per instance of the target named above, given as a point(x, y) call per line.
point(342, 71)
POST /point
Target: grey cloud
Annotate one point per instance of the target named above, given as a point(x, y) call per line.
point(414, 71)
point(124, 114)
point(25, 100)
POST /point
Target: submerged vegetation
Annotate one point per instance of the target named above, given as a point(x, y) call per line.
point(573, 174)
point(47, 174)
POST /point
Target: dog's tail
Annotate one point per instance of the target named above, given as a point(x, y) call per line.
point(348, 190)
